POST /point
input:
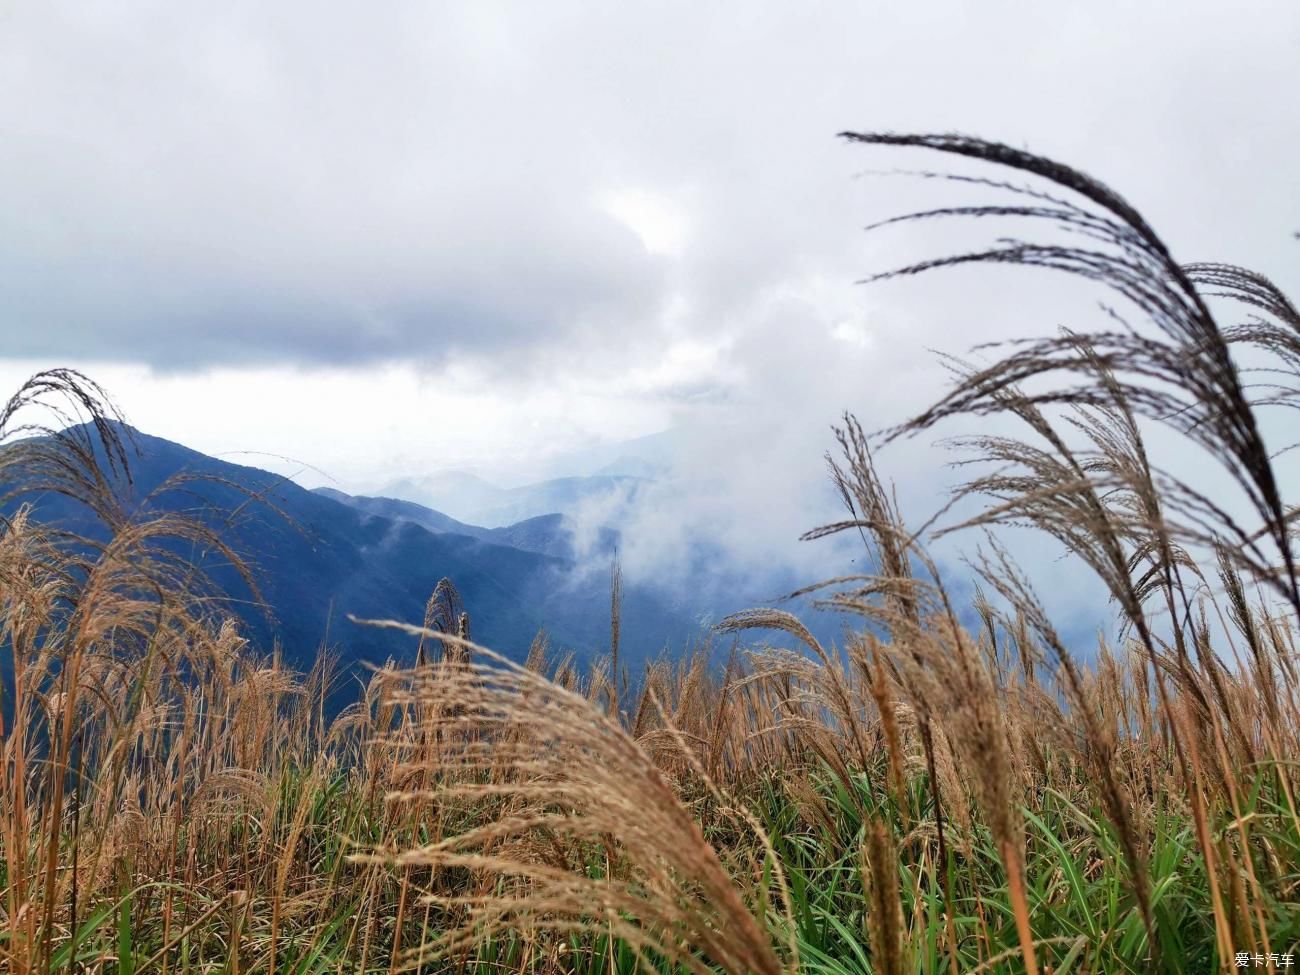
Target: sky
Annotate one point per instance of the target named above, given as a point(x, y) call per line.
point(358, 242)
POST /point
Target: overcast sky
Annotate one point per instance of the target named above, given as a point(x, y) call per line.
point(390, 238)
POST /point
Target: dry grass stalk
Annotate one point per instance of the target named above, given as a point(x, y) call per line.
point(576, 781)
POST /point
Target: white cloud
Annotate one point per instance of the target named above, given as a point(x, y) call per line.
point(660, 224)
point(390, 238)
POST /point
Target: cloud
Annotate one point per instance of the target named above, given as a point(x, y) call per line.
point(659, 222)
point(394, 238)
point(341, 184)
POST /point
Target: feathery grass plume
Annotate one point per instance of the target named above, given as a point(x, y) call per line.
point(885, 913)
point(573, 775)
point(1104, 507)
point(882, 694)
point(682, 709)
point(442, 614)
point(1183, 377)
point(538, 652)
point(1133, 525)
point(1098, 740)
point(108, 640)
point(829, 679)
point(63, 456)
point(615, 628)
point(893, 597)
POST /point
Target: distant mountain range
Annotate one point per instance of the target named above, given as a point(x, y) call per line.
point(321, 555)
point(549, 534)
point(471, 499)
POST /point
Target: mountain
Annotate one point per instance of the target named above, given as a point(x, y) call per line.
point(546, 534)
point(705, 589)
point(398, 509)
point(650, 457)
point(318, 557)
point(629, 466)
point(451, 491)
point(469, 498)
point(549, 534)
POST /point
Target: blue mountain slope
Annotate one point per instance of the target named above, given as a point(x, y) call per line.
point(404, 510)
point(550, 534)
point(480, 502)
point(317, 559)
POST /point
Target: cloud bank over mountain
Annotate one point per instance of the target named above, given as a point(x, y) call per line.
point(391, 241)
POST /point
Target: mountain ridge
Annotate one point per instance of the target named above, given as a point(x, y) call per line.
point(318, 559)
point(470, 499)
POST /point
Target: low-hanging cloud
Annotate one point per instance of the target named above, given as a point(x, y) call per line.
point(389, 239)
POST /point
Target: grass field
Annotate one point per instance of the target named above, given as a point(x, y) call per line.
point(951, 789)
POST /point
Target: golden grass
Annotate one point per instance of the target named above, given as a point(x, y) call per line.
point(948, 790)
point(467, 801)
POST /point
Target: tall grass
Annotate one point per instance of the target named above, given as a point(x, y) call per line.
point(950, 789)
